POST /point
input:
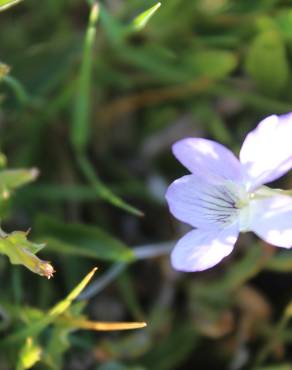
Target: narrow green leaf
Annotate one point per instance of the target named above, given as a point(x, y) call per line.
point(102, 190)
point(11, 180)
point(5, 4)
point(18, 89)
point(115, 31)
point(62, 306)
point(142, 19)
point(36, 327)
point(157, 62)
point(80, 131)
point(81, 240)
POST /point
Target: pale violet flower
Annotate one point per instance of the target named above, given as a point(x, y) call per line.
point(224, 196)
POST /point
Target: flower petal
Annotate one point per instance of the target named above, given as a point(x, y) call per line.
point(199, 250)
point(271, 220)
point(202, 156)
point(267, 151)
point(202, 204)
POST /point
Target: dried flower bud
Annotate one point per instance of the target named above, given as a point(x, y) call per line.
point(21, 251)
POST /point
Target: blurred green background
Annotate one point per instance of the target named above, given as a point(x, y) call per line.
point(94, 96)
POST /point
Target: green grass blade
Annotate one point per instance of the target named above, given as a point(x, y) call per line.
point(62, 306)
point(81, 114)
point(102, 190)
point(81, 240)
point(142, 19)
point(5, 4)
point(80, 130)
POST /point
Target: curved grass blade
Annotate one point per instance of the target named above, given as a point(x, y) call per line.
point(80, 130)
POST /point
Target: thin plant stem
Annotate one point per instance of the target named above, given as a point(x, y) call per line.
point(153, 250)
point(142, 252)
point(107, 278)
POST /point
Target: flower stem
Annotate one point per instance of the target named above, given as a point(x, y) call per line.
point(142, 252)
